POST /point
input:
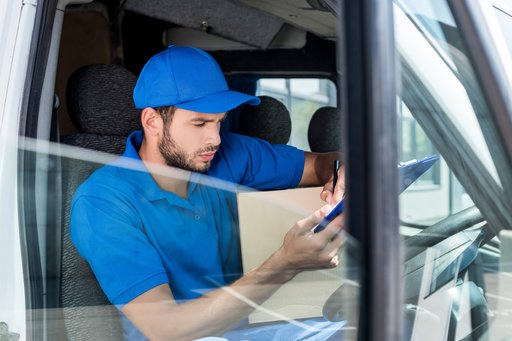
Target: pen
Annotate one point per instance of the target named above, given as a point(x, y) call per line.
point(337, 210)
point(335, 174)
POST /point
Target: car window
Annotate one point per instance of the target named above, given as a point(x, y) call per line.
point(451, 232)
point(248, 225)
point(302, 97)
point(414, 142)
point(503, 11)
point(455, 218)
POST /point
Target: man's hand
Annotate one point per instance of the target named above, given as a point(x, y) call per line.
point(159, 317)
point(331, 195)
point(318, 171)
point(304, 250)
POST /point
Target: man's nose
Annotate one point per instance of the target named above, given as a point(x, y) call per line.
point(213, 136)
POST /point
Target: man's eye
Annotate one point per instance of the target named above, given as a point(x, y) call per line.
point(202, 124)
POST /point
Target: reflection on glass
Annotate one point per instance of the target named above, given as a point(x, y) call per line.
point(455, 254)
point(416, 145)
point(440, 62)
point(504, 14)
point(255, 221)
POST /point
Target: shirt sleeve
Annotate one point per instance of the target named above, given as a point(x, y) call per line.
point(258, 164)
point(111, 240)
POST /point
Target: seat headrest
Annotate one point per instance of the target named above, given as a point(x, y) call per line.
point(324, 132)
point(99, 100)
point(269, 121)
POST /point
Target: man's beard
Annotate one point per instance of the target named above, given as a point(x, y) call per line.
point(175, 156)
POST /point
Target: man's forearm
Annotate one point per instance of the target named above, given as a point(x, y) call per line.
point(318, 168)
point(159, 317)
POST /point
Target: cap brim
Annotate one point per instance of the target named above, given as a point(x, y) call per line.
point(219, 102)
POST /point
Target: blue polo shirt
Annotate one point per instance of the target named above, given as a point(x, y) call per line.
point(136, 236)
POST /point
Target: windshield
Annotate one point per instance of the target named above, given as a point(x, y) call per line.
point(455, 223)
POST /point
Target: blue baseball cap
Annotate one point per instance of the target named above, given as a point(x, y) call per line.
point(188, 78)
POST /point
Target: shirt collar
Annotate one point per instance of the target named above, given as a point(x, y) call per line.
point(133, 143)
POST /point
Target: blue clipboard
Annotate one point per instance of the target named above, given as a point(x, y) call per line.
point(409, 172)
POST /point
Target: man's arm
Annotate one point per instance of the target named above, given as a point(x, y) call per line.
point(318, 171)
point(159, 317)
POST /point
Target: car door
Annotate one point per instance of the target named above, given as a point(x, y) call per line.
point(17, 25)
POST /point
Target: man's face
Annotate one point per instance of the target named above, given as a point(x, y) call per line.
point(191, 139)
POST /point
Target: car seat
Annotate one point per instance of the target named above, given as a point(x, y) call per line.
point(100, 104)
point(269, 121)
point(325, 130)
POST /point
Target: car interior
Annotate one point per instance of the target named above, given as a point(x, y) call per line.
point(104, 45)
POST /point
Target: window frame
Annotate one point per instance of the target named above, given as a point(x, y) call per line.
point(32, 240)
point(372, 188)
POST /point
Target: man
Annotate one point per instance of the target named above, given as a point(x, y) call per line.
point(154, 240)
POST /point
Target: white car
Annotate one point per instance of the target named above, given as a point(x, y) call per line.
point(383, 81)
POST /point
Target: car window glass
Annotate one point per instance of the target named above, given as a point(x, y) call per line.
point(226, 217)
point(302, 97)
point(455, 219)
point(414, 142)
point(453, 248)
point(442, 60)
point(504, 15)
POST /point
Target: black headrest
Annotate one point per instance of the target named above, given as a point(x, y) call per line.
point(99, 100)
point(269, 121)
point(324, 132)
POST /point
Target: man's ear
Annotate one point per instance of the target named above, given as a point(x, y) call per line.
point(152, 122)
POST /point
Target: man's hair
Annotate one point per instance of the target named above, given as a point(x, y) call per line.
point(167, 113)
